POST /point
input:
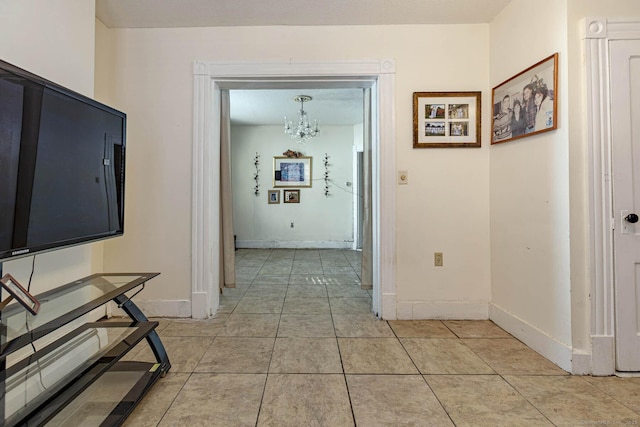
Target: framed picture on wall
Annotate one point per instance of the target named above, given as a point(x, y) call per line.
point(291, 196)
point(527, 103)
point(292, 172)
point(446, 119)
point(274, 197)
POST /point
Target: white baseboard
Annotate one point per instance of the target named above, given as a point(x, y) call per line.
point(580, 362)
point(199, 305)
point(388, 307)
point(549, 347)
point(419, 310)
point(404, 311)
point(293, 244)
point(604, 355)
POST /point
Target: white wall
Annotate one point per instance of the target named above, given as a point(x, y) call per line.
point(444, 208)
point(529, 178)
point(53, 39)
point(319, 221)
point(105, 84)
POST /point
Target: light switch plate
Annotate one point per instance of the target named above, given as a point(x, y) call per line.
point(438, 259)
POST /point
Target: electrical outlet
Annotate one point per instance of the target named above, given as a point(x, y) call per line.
point(291, 224)
point(437, 259)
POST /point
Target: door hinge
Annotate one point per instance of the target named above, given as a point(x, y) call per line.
point(613, 223)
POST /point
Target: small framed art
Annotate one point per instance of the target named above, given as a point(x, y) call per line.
point(527, 103)
point(274, 197)
point(291, 196)
point(446, 119)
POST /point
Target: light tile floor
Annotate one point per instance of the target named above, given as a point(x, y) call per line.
point(295, 344)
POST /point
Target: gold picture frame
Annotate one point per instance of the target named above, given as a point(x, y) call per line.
point(447, 119)
point(292, 171)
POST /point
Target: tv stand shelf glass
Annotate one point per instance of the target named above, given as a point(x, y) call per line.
point(54, 369)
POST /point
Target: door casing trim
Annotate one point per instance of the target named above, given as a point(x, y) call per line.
point(209, 79)
point(597, 33)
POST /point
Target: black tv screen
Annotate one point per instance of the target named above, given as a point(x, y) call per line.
point(62, 164)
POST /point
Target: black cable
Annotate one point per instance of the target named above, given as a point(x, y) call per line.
point(33, 268)
point(338, 186)
point(26, 324)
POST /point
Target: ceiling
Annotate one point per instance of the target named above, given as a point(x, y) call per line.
point(215, 13)
point(336, 107)
point(269, 106)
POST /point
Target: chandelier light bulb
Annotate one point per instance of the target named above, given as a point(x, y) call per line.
point(303, 130)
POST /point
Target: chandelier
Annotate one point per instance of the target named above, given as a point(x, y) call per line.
point(302, 130)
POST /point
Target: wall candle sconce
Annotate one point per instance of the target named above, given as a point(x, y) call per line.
point(256, 175)
point(326, 175)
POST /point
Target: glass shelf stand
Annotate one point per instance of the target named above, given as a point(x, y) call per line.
point(41, 377)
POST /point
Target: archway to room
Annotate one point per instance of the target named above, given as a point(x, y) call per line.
point(316, 238)
point(210, 79)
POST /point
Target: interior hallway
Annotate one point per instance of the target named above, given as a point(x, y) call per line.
point(295, 344)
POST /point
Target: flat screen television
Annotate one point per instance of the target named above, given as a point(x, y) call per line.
point(62, 166)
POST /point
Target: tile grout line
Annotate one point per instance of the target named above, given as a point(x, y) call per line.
point(344, 373)
point(422, 375)
point(501, 376)
point(525, 399)
point(174, 399)
point(266, 380)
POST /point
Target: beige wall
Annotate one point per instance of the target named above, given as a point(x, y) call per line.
point(530, 191)
point(445, 207)
point(105, 63)
point(54, 39)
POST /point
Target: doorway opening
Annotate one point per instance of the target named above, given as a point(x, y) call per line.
point(310, 239)
point(323, 215)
